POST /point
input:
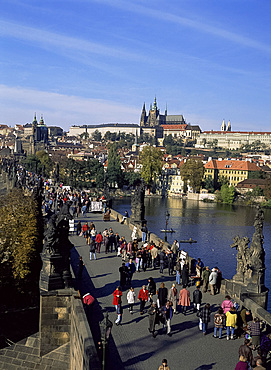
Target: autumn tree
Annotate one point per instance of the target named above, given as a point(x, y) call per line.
point(151, 161)
point(20, 243)
point(192, 172)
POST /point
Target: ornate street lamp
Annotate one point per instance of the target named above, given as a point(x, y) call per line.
point(167, 215)
point(105, 327)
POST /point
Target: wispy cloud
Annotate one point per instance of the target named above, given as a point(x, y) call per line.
point(46, 38)
point(188, 22)
point(60, 109)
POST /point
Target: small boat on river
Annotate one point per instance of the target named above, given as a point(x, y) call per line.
point(188, 241)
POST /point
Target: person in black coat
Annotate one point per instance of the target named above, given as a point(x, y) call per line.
point(185, 275)
point(162, 295)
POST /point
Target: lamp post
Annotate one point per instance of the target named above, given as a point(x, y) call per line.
point(167, 215)
point(105, 327)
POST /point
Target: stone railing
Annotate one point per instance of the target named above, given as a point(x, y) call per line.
point(82, 348)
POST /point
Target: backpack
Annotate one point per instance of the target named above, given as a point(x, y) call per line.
point(218, 319)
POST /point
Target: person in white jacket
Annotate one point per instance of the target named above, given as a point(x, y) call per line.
point(212, 281)
point(131, 299)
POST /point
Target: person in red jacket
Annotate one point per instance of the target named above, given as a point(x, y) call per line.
point(98, 240)
point(143, 296)
point(117, 303)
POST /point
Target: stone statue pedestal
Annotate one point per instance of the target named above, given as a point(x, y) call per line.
point(241, 291)
point(50, 276)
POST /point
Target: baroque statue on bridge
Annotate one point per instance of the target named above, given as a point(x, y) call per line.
point(251, 260)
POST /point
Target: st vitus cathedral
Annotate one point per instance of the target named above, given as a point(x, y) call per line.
point(153, 122)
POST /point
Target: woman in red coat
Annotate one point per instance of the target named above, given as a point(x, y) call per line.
point(117, 297)
point(143, 296)
point(184, 299)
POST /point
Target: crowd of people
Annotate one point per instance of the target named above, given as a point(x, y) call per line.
point(162, 303)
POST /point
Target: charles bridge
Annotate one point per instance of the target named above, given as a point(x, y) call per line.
point(69, 333)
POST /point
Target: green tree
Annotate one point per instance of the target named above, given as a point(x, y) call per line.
point(227, 193)
point(151, 161)
point(96, 135)
point(114, 172)
point(192, 172)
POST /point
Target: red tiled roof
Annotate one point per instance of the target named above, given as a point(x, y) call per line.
point(180, 127)
point(231, 165)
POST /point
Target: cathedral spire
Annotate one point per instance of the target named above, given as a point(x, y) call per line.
point(166, 110)
point(223, 126)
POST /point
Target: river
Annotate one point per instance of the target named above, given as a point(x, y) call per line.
point(212, 225)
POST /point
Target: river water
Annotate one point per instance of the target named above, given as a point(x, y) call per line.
point(212, 225)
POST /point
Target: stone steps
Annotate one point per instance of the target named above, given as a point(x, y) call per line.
point(25, 355)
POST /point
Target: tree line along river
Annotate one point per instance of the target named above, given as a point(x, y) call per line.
point(213, 226)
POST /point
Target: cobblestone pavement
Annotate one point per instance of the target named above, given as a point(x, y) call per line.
point(131, 346)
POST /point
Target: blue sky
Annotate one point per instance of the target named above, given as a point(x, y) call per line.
point(98, 61)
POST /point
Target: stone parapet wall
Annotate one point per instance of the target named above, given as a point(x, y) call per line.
point(55, 319)
point(83, 354)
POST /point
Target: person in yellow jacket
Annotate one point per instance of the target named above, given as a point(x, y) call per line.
point(231, 322)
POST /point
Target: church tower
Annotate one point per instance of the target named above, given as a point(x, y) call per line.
point(143, 118)
point(223, 126)
point(229, 126)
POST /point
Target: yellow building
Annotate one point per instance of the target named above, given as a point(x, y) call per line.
point(232, 170)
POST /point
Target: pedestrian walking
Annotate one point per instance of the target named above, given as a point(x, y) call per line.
point(197, 298)
point(185, 275)
point(212, 281)
point(164, 365)
point(168, 312)
point(153, 313)
point(123, 270)
point(205, 278)
point(117, 294)
point(151, 288)
point(162, 296)
point(92, 250)
point(131, 299)
point(231, 322)
point(242, 364)
point(143, 296)
point(178, 272)
point(80, 267)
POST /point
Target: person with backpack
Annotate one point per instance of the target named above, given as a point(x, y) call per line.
point(197, 298)
point(219, 321)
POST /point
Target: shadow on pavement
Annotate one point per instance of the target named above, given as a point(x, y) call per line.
point(95, 315)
